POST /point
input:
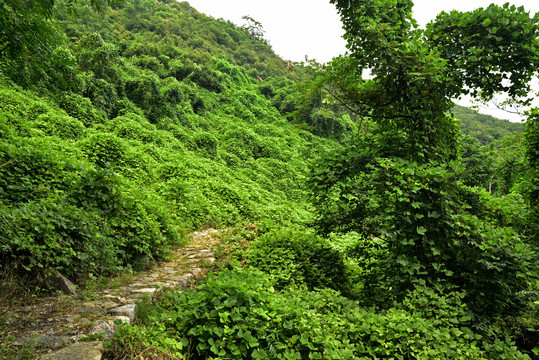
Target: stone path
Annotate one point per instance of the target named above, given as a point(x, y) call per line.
point(55, 326)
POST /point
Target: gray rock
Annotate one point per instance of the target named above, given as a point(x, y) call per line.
point(179, 281)
point(197, 273)
point(60, 282)
point(144, 291)
point(103, 327)
point(205, 253)
point(90, 310)
point(126, 310)
point(42, 341)
point(79, 351)
point(123, 319)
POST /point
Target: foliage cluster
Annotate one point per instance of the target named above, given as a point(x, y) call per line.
point(237, 314)
point(126, 143)
point(485, 128)
point(294, 258)
point(398, 183)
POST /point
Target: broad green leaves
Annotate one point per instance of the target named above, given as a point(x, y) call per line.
point(398, 183)
point(488, 51)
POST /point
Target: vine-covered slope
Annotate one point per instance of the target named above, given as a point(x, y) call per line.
point(149, 120)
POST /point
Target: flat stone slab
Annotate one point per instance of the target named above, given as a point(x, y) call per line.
point(123, 319)
point(144, 290)
point(43, 341)
point(80, 351)
point(105, 327)
point(126, 310)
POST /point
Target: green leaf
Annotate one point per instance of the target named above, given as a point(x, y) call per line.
point(421, 230)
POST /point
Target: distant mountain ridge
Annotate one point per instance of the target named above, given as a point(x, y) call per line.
point(485, 128)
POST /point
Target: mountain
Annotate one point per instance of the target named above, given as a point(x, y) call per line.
point(150, 120)
point(484, 128)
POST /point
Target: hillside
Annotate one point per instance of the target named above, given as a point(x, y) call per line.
point(484, 128)
point(150, 121)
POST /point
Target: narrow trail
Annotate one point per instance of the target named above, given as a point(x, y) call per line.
point(60, 327)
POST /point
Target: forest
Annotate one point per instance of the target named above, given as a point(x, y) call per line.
point(372, 217)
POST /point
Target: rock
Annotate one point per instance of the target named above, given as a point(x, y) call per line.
point(109, 304)
point(80, 351)
point(117, 299)
point(144, 290)
point(60, 282)
point(42, 341)
point(84, 321)
point(103, 327)
point(90, 310)
point(126, 310)
point(197, 273)
point(123, 320)
point(179, 281)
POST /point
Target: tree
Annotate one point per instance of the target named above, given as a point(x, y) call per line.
point(254, 28)
point(532, 155)
point(24, 29)
point(28, 35)
point(399, 182)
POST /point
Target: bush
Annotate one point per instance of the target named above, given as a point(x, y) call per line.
point(103, 149)
point(237, 314)
point(51, 233)
point(80, 108)
point(29, 172)
point(207, 78)
point(206, 143)
point(64, 127)
point(296, 257)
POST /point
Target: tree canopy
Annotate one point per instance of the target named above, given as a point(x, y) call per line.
point(399, 181)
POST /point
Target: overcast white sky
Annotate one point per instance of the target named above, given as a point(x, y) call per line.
point(299, 28)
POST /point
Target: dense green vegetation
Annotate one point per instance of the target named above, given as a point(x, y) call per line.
point(123, 144)
point(484, 128)
point(384, 229)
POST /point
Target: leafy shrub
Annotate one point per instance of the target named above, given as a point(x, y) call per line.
point(241, 142)
point(180, 70)
point(80, 108)
point(138, 232)
point(103, 148)
point(147, 62)
point(296, 257)
point(144, 91)
point(63, 74)
point(30, 172)
point(207, 78)
point(64, 127)
point(52, 233)
point(237, 314)
point(206, 143)
point(96, 190)
point(127, 128)
point(173, 92)
point(103, 95)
